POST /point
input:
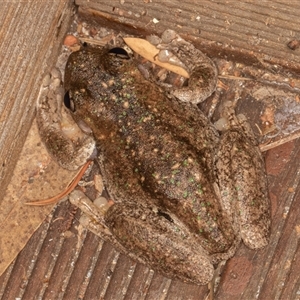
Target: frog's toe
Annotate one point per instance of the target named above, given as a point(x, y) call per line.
point(167, 56)
point(255, 236)
point(169, 35)
point(201, 85)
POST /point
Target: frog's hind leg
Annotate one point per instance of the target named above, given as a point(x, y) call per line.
point(159, 240)
point(148, 236)
point(243, 187)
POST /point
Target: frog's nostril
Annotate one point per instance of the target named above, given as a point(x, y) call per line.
point(68, 102)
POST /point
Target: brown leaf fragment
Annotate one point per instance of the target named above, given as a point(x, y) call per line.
point(150, 52)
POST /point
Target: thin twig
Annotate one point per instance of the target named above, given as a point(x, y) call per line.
point(93, 41)
point(234, 77)
point(291, 137)
point(65, 192)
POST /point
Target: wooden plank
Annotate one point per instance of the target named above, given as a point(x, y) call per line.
point(88, 269)
point(31, 33)
point(270, 273)
point(252, 31)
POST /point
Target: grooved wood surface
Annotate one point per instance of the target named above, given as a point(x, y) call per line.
point(250, 30)
point(30, 37)
point(60, 263)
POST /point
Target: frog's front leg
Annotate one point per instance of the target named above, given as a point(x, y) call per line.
point(203, 72)
point(150, 236)
point(69, 146)
point(243, 182)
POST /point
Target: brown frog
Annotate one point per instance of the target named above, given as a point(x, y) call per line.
point(185, 195)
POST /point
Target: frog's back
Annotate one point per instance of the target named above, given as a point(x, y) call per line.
point(153, 147)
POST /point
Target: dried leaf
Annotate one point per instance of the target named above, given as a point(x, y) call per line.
point(149, 51)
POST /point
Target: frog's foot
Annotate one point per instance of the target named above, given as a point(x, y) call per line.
point(203, 72)
point(64, 140)
point(92, 218)
point(93, 212)
point(229, 121)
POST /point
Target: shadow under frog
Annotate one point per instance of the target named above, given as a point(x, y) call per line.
point(184, 194)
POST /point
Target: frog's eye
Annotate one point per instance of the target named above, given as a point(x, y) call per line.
point(68, 102)
point(119, 52)
point(165, 215)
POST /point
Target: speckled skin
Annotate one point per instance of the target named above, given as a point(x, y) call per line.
point(184, 195)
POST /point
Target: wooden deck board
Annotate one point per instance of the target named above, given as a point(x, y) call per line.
point(30, 40)
point(58, 263)
point(257, 31)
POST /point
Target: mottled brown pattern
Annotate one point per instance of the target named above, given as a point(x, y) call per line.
point(157, 156)
point(270, 275)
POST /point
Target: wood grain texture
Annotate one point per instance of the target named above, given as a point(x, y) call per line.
point(251, 31)
point(30, 33)
point(60, 264)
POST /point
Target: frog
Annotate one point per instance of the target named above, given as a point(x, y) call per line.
point(184, 193)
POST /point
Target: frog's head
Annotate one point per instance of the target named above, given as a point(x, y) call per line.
point(91, 78)
point(83, 64)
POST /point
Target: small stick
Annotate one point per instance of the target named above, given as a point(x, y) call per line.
point(265, 147)
point(65, 192)
point(234, 77)
point(94, 42)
